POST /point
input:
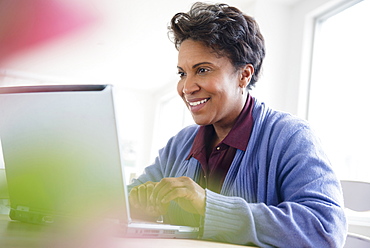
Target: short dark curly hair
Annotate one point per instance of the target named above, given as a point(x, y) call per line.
point(224, 29)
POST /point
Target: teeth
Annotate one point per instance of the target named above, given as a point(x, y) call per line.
point(197, 103)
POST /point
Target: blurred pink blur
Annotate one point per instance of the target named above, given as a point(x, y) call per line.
point(26, 24)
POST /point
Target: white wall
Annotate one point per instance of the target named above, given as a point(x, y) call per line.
point(274, 20)
point(136, 114)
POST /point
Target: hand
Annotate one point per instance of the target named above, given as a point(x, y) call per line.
point(189, 195)
point(140, 204)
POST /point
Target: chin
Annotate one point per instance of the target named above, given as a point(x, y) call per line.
point(201, 122)
point(201, 119)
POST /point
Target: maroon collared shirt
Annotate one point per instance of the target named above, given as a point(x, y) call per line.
point(216, 166)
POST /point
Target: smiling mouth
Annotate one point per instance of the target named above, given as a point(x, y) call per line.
point(193, 104)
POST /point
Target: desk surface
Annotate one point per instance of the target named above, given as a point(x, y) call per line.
point(17, 234)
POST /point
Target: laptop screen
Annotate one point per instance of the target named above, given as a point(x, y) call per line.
point(61, 150)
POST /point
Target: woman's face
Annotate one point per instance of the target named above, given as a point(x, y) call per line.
point(209, 85)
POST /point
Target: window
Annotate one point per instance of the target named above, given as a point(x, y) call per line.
point(172, 116)
point(339, 97)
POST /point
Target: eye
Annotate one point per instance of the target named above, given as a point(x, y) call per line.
point(202, 70)
point(181, 74)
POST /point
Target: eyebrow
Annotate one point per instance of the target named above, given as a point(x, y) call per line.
point(196, 65)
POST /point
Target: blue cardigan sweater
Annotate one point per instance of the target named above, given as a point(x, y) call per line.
point(280, 192)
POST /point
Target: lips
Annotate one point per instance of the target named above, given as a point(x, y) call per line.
point(196, 104)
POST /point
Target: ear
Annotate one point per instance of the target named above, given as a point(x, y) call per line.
point(246, 74)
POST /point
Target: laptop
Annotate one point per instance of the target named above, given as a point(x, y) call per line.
point(63, 159)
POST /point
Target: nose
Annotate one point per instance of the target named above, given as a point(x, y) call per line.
point(189, 86)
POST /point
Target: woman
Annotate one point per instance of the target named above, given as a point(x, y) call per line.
point(245, 173)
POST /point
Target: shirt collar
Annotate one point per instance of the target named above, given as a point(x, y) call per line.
point(242, 127)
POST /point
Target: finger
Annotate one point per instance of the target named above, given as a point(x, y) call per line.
point(162, 208)
point(142, 196)
point(165, 186)
point(181, 192)
point(188, 194)
point(149, 191)
point(159, 190)
point(174, 194)
point(133, 198)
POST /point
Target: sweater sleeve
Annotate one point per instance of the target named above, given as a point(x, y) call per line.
point(170, 158)
point(296, 198)
point(171, 162)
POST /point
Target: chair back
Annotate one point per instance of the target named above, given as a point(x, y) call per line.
point(356, 195)
point(357, 241)
point(357, 198)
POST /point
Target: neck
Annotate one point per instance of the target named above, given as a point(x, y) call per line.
point(223, 129)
